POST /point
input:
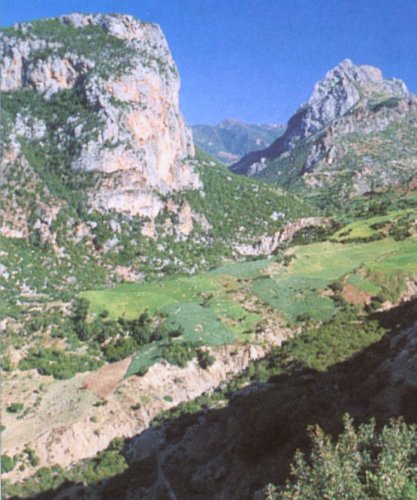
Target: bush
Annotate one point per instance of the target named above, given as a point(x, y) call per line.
point(15, 407)
point(205, 359)
point(57, 363)
point(362, 464)
point(79, 316)
point(6, 363)
point(120, 349)
point(32, 457)
point(179, 353)
point(400, 230)
point(7, 463)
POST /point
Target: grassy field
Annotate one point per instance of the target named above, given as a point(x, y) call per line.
point(210, 307)
point(204, 306)
point(375, 267)
point(373, 226)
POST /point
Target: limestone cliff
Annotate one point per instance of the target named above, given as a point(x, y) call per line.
point(350, 127)
point(98, 171)
point(134, 139)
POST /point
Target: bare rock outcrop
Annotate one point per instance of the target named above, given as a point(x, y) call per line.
point(350, 103)
point(122, 71)
point(267, 245)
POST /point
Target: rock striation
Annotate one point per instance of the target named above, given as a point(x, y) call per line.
point(122, 71)
point(350, 101)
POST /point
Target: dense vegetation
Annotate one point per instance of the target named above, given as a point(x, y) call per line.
point(94, 340)
point(363, 463)
point(232, 202)
point(106, 464)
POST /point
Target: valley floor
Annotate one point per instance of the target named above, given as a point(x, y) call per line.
point(238, 313)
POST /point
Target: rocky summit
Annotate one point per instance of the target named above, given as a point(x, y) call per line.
point(353, 120)
point(121, 70)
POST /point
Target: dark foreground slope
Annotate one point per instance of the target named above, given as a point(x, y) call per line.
point(233, 443)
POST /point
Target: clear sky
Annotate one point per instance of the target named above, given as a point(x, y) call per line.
point(257, 60)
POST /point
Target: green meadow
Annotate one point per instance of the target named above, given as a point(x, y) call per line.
point(210, 307)
point(373, 226)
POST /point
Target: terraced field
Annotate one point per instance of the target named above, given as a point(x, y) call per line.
point(210, 307)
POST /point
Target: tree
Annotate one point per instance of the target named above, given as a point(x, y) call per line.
point(205, 359)
point(363, 463)
point(79, 316)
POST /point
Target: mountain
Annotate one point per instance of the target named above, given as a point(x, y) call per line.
point(99, 94)
point(171, 329)
point(231, 139)
point(356, 134)
point(99, 169)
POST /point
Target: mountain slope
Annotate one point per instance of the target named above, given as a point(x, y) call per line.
point(98, 174)
point(356, 134)
point(231, 139)
point(127, 371)
point(97, 96)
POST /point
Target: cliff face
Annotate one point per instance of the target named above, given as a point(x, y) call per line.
point(121, 71)
point(353, 121)
point(98, 166)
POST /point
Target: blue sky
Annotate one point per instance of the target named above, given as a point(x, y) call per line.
point(257, 60)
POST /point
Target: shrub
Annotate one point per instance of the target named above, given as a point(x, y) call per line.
point(362, 464)
point(57, 363)
point(205, 359)
point(6, 363)
point(32, 457)
point(303, 318)
point(15, 407)
point(179, 353)
point(79, 315)
point(119, 349)
point(336, 286)
point(7, 463)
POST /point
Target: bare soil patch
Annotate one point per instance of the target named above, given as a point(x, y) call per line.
point(105, 380)
point(355, 296)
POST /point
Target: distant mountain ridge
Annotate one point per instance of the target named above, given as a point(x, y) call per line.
point(356, 133)
point(229, 140)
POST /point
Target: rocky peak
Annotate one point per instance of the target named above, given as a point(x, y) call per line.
point(350, 99)
point(230, 122)
point(122, 71)
point(342, 88)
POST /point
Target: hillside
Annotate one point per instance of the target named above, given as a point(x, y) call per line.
point(99, 175)
point(173, 329)
point(229, 140)
point(355, 135)
point(344, 307)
